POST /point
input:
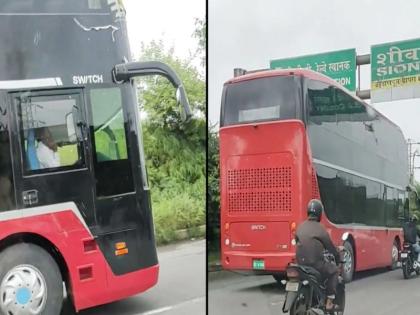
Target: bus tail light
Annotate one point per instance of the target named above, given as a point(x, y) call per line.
point(292, 273)
point(89, 245)
point(226, 227)
point(293, 227)
point(293, 232)
point(85, 272)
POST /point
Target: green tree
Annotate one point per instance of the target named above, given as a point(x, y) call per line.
point(213, 195)
point(201, 34)
point(175, 150)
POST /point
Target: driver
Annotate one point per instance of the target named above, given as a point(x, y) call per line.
point(47, 150)
point(312, 240)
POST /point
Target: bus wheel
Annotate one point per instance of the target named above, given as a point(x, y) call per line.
point(278, 277)
point(30, 281)
point(394, 256)
point(348, 266)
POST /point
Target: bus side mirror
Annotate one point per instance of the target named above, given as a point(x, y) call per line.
point(125, 71)
point(71, 130)
point(181, 98)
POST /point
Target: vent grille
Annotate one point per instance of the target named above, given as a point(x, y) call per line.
point(280, 177)
point(260, 190)
point(315, 190)
point(260, 201)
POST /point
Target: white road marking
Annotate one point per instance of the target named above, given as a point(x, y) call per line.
point(171, 307)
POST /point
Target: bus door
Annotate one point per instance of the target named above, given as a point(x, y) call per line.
point(50, 148)
point(124, 227)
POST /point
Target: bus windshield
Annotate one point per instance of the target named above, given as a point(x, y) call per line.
point(263, 99)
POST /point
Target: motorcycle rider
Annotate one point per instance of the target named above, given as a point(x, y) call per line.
point(412, 235)
point(312, 240)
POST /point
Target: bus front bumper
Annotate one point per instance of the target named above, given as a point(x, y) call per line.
point(119, 287)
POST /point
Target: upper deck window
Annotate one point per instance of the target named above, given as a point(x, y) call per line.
point(263, 99)
point(330, 104)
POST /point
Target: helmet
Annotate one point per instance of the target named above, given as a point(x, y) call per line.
point(414, 218)
point(315, 209)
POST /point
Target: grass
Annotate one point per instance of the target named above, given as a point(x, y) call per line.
point(173, 213)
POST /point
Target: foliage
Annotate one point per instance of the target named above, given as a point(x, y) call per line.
point(213, 196)
point(182, 212)
point(201, 34)
point(175, 150)
point(157, 95)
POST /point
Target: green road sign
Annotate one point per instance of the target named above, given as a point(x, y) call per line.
point(395, 70)
point(338, 65)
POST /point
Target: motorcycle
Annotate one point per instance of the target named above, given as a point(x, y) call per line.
point(306, 291)
point(409, 261)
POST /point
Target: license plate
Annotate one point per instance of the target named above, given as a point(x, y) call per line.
point(404, 255)
point(292, 286)
point(258, 264)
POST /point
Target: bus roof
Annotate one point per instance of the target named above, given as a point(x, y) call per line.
point(310, 74)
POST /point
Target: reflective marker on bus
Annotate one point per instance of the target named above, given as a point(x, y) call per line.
point(74, 196)
point(288, 136)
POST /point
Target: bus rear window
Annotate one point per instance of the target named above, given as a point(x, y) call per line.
point(263, 99)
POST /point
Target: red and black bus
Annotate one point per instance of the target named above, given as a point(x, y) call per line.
point(288, 136)
point(74, 196)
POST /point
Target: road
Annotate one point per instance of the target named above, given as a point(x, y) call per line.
point(376, 292)
point(180, 290)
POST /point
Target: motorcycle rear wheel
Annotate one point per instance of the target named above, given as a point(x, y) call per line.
point(341, 299)
point(299, 306)
point(406, 269)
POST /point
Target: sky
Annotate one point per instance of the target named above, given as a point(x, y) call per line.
point(248, 34)
point(171, 21)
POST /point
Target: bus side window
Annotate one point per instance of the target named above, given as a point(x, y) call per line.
point(407, 203)
point(48, 142)
point(111, 156)
point(7, 201)
point(108, 121)
point(321, 103)
point(393, 207)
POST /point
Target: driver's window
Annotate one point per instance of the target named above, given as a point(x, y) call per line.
point(50, 137)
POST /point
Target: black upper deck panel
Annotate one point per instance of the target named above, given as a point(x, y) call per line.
point(77, 41)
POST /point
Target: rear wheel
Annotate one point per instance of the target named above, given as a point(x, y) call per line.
point(279, 277)
point(299, 307)
point(394, 255)
point(348, 266)
point(341, 299)
point(406, 268)
point(30, 282)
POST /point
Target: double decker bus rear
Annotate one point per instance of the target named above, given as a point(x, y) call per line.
point(288, 136)
point(263, 170)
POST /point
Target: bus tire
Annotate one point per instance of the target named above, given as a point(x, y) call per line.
point(279, 277)
point(39, 288)
point(348, 267)
point(394, 256)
